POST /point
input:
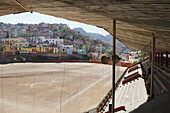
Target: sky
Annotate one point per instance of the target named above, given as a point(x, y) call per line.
point(35, 18)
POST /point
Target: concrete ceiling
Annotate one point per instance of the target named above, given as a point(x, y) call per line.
point(136, 19)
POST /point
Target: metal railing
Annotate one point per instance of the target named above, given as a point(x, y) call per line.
point(106, 99)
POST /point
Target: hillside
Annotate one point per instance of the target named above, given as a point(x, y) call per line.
point(107, 39)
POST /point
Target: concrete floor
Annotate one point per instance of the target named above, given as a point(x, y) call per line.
point(53, 87)
point(159, 104)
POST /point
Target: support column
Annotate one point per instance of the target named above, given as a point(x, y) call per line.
point(166, 61)
point(152, 66)
point(150, 53)
point(161, 58)
point(113, 65)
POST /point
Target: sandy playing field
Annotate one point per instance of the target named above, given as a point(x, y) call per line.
point(53, 87)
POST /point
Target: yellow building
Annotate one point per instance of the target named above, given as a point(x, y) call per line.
point(22, 49)
point(44, 49)
point(21, 44)
point(35, 49)
point(13, 40)
point(40, 49)
point(10, 40)
point(9, 48)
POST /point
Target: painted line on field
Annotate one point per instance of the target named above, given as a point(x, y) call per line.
point(86, 88)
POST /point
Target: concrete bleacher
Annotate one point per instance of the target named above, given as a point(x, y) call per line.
point(132, 90)
point(131, 94)
point(161, 101)
point(161, 82)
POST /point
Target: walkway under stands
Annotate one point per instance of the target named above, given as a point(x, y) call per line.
point(131, 91)
point(160, 104)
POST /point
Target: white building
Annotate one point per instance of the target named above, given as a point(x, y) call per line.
point(53, 41)
point(67, 48)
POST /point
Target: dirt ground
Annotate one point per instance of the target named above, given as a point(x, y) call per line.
point(53, 87)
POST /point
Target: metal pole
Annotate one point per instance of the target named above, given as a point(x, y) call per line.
point(113, 65)
point(152, 66)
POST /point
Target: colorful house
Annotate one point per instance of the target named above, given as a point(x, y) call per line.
point(10, 40)
point(26, 50)
point(21, 44)
point(8, 50)
point(35, 49)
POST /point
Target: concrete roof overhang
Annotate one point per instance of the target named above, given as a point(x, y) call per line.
point(136, 20)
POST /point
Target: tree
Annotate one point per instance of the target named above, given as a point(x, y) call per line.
point(144, 54)
point(7, 35)
point(110, 52)
point(64, 30)
point(66, 37)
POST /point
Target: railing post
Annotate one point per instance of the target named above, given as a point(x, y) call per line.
point(113, 65)
point(152, 66)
